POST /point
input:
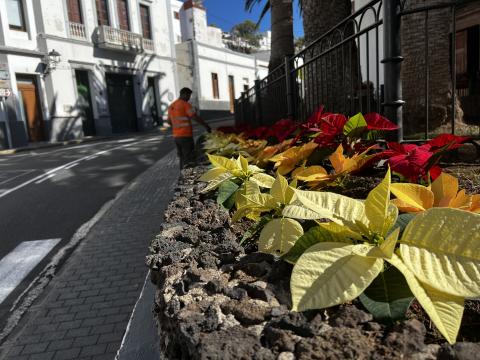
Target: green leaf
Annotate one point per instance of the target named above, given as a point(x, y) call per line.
point(388, 297)
point(311, 237)
point(402, 221)
point(225, 191)
point(355, 125)
point(279, 235)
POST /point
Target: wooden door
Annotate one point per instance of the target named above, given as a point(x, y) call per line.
point(102, 12)
point(121, 101)
point(231, 91)
point(74, 11)
point(31, 111)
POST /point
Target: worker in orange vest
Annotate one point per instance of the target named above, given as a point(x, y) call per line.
point(180, 116)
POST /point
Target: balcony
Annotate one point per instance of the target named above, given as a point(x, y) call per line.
point(148, 45)
point(77, 31)
point(116, 39)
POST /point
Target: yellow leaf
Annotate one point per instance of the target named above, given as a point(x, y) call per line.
point(263, 180)
point(223, 162)
point(388, 246)
point(213, 184)
point(279, 235)
point(444, 189)
point(377, 207)
point(312, 173)
point(444, 310)
point(345, 211)
point(461, 201)
point(404, 207)
point(475, 207)
point(243, 163)
point(441, 247)
point(212, 174)
point(412, 196)
point(328, 274)
point(340, 230)
point(296, 210)
point(286, 161)
point(281, 191)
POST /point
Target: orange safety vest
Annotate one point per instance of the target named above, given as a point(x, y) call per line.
point(180, 113)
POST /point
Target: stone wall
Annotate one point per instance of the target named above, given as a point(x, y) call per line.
point(414, 68)
point(218, 300)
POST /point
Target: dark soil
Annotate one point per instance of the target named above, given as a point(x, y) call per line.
point(217, 300)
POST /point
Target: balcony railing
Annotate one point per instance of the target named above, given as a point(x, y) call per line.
point(148, 45)
point(77, 31)
point(116, 39)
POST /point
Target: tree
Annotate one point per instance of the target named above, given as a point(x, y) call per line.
point(247, 31)
point(299, 43)
point(281, 26)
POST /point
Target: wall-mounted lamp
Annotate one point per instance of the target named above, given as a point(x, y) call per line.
point(51, 61)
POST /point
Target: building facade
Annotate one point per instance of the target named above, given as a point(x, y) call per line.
point(75, 68)
point(216, 74)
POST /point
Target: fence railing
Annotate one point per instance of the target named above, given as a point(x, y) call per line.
point(77, 31)
point(396, 57)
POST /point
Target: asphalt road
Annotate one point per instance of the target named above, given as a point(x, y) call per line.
point(50, 193)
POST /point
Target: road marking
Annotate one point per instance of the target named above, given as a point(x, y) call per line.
point(62, 167)
point(45, 178)
point(16, 265)
point(21, 173)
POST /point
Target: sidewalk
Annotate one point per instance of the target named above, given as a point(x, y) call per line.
point(87, 306)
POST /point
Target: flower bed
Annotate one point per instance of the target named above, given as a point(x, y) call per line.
point(219, 298)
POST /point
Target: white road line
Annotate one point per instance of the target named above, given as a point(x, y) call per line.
point(23, 172)
point(45, 178)
point(62, 167)
point(71, 166)
point(15, 266)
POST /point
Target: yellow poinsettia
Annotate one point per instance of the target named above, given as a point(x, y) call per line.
point(444, 192)
point(286, 161)
point(437, 254)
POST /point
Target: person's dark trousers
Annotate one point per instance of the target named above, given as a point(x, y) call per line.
point(185, 147)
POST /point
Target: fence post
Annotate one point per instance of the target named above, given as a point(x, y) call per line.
point(258, 104)
point(241, 118)
point(288, 83)
point(393, 63)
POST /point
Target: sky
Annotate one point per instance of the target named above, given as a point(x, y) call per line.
point(227, 13)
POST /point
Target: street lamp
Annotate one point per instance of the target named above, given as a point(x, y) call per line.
point(51, 60)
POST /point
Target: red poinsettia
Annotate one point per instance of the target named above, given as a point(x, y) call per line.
point(377, 122)
point(282, 129)
point(441, 142)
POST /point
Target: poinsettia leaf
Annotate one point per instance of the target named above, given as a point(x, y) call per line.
point(279, 235)
point(388, 296)
point(355, 125)
point(313, 236)
point(225, 191)
point(376, 121)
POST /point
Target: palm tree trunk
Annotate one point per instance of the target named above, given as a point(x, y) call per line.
point(282, 31)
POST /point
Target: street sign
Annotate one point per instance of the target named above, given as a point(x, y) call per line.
point(5, 92)
point(4, 73)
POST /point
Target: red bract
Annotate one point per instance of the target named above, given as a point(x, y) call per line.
point(453, 142)
point(332, 124)
point(282, 129)
point(376, 121)
point(411, 161)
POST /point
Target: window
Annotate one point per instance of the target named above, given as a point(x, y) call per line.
point(215, 86)
point(16, 18)
point(145, 19)
point(102, 12)
point(122, 8)
point(176, 15)
point(74, 11)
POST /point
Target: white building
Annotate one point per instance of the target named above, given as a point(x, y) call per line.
point(216, 74)
point(117, 69)
point(265, 42)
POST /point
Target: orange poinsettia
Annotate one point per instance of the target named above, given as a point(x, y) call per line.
point(286, 161)
point(444, 192)
point(315, 175)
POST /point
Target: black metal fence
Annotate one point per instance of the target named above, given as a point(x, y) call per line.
point(396, 57)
